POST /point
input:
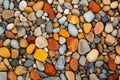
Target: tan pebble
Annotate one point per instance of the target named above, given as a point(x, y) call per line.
point(90, 36)
point(70, 75)
point(38, 6)
point(23, 43)
point(12, 75)
point(52, 53)
point(20, 70)
point(56, 24)
point(2, 67)
point(100, 48)
point(98, 28)
point(76, 55)
point(106, 8)
point(14, 53)
point(110, 40)
point(117, 59)
point(110, 12)
point(117, 49)
point(114, 4)
point(6, 62)
point(107, 2)
point(6, 42)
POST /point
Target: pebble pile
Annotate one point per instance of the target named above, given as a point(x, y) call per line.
point(59, 39)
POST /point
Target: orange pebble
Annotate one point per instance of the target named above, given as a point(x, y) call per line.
point(64, 33)
point(1, 43)
point(30, 23)
point(55, 36)
point(14, 30)
point(31, 3)
point(80, 36)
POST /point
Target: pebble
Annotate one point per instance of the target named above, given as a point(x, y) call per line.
point(92, 55)
point(62, 76)
point(64, 33)
point(84, 2)
point(115, 21)
point(40, 66)
point(90, 37)
point(10, 26)
point(11, 6)
point(72, 30)
point(3, 75)
point(82, 60)
point(117, 49)
point(89, 16)
point(59, 9)
point(67, 5)
point(74, 64)
point(83, 48)
point(110, 40)
point(49, 27)
point(6, 42)
point(28, 9)
point(20, 70)
point(1, 30)
point(21, 31)
point(7, 14)
point(112, 67)
point(12, 75)
point(51, 78)
point(87, 27)
point(38, 6)
point(53, 44)
point(40, 55)
point(22, 5)
point(39, 13)
point(62, 40)
point(107, 2)
point(6, 4)
point(72, 44)
point(108, 28)
point(34, 75)
point(62, 20)
point(114, 33)
point(114, 4)
point(3, 67)
point(70, 75)
point(14, 43)
point(93, 77)
point(50, 69)
point(117, 59)
point(99, 63)
point(60, 64)
point(28, 63)
point(60, 2)
point(62, 49)
point(30, 48)
point(1, 2)
point(73, 19)
point(4, 52)
point(20, 78)
point(15, 62)
point(23, 43)
point(98, 28)
point(75, 12)
point(37, 31)
point(32, 16)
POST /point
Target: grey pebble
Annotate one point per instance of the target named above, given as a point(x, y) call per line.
point(72, 30)
point(30, 57)
point(14, 43)
point(115, 21)
point(67, 5)
point(40, 21)
point(84, 2)
point(62, 76)
point(51, 78)
point(49, 27)
point(3, 76)
point(102, 76)
point(56, 30)
point(62, 49)
point(21, 31)
point(78, 77)
point(6, 4)
point(1, 30)
point(24, 24)
point(114, 33)
point(11, 6)
point(29, 63)
point(82, 60)
point(1, 2)
point(62, 20)
point(96, 39)
point(60, 64)
point(83, 46)
point(99, 63)
point(20, 78)
point(42, 74)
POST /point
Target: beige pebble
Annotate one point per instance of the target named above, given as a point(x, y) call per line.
point(70, 75)
point(114, 4)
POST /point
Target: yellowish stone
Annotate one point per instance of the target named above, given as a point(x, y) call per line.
point(23, 43)
point(28, 9)
point(20, 70)
point(80, 36)
point(4, 52)
point(14, 30)
point(2, 67)
point(30, 48)
point(38, 6)
point(40, 55)
point(87, 27)
point(73, 19)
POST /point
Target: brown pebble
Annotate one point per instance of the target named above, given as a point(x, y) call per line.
point(113, 77)
point(14, 53)
point(53, 44)
point(98, 28)
point(90, 37)
point(9, 34)
point(74, 64)
point(50, 69)
point(30, 39)
point(12, 75)
point(110, 40)
point(112, 66)
point(34, 75)
point(1, 43)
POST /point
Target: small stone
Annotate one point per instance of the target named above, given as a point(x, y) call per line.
point(114, 4)
point(60, 2)
point(6, 42)
point(62, 40)
point(6, 4)
point(22, 5)
point(117, 49)
point(34, 75)
point(12, 76)
point(59, 9)
point(40, 21)
point(89, 16)
point(82, 60)
point(73, 19)
point(4, 52)
point(62, 49)
point(23, 43)
point(9, 34)
point(94, 7)
point(90, 37)
point(20, 70)
point(110, 40)
point(1, 2)
point(30, 48)
point(92, 55)
point(84, 2)
point(48, 9)
point(75, 1)
point(113, 77)
point(76, 55)
point(40, 55)
point(72, 30)
point(20, 78)
point(98, 28)
point(72, 44)
point(62, 76)
point(70, 75)
point(38, 6)
point(39, 13)
point(83, 46)
point(3, 67)
point(37, 31)
point(14, 53)
point(75, 12)
point(32, 16)
point(15, 44)
point(115, 21)
point(10, 26)
point(30, 39)
point(112, 66)
point(50, 69)
point(21, 31)
point(1, 30)
point(99, 63)
point(49, 27)
point(3, 75)
point(41, 42)
point(117, 59)
point(28, 63)
point(28, 9)
point(11, 5)
point(87, 27)
point(62, 20)
point(51, 78)
point(7, 14)
point(93, 77)
point(40, 66)
point(74, 64)
point(60, 64)
point(106, 2)
point(114, 33)
point(53, 44)
point(15, 62)
point(108, 28)
point(64, 33)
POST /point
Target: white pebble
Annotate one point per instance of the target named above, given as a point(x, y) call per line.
point(10, 26)
point(22, 5)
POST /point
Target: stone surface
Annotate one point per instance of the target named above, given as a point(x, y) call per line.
point(89, 16)
point(70, 75)
point(53, 44)
point(7, 14)
point(108, 28)
point(62, 49)
point(4, 52)
point(38, 6)
point(40, 66)
point(110, 40)
point(72, 30)
point(20, 70)
point(3, 75)
point(22, 5)
point(112, 67)
point(73, 19)
point(98, 28)
point(34, 75)
point(74, 64)
point(30, 48)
